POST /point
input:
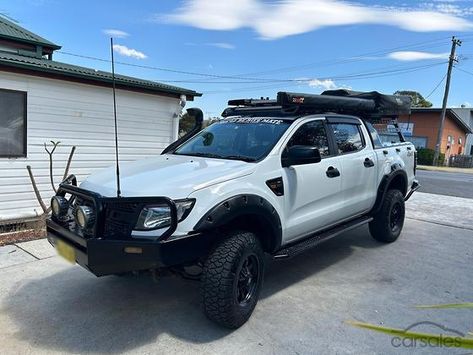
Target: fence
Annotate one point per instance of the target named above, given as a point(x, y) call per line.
point(461, 161)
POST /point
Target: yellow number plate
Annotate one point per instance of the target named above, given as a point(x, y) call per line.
point(66, 251)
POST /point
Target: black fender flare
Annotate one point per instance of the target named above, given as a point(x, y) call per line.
point(241, 205)
point(396, 170)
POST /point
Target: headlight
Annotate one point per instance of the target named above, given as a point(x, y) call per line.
point(159, 216)
point(184, 207)
point(85, 217)
point(59, 206)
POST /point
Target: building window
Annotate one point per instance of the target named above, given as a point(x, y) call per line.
point(449, 139)
point(460, 141)
point(12, 123)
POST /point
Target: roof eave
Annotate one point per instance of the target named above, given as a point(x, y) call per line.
point(44, 44)
point(102, 80)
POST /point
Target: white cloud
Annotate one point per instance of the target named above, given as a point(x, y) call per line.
point(272, 20)
point(456, 8)
point(115, 33)
point(129, 52)
point(322, 84)
point(407, 56)
point(326, 84)
point(222, 45)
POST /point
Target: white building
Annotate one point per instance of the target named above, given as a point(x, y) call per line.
point(42, 100)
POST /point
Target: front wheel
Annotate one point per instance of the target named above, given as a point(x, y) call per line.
point(389, 220)
point(232, 279)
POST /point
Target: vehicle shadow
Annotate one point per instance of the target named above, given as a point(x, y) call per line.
point(72, 311)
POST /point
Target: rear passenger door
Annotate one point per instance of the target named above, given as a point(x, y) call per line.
point(358, 165)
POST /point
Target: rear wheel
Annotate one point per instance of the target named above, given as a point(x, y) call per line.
point(232, 279)
point(388, 222)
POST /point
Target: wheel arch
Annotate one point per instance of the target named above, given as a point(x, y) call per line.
point(247, 212)
point(395, 180)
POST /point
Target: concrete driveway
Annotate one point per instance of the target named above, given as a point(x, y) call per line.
point(50, 306)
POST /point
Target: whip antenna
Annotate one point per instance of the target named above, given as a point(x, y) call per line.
point(115, 119)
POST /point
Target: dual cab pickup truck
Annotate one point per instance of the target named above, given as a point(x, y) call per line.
point(274, 177)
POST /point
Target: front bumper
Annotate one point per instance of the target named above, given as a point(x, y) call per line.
point(105, 257)
point(108, 247)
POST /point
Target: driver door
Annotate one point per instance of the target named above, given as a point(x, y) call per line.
point(312, 191)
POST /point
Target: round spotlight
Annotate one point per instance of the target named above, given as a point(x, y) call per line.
point(59, 206)
point(85, 217)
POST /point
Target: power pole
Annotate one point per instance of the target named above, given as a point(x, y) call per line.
point(455, 43)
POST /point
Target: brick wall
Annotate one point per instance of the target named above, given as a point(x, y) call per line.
point(426, 124)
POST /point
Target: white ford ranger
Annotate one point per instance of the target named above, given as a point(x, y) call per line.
point(274, 176)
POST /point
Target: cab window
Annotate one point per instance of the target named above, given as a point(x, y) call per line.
point(348, 137)
point(374, 136)
point(312, 134)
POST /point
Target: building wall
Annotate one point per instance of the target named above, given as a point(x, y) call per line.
point(426, 124)
point(80, 115)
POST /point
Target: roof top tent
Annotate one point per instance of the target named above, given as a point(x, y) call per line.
point(370, 106)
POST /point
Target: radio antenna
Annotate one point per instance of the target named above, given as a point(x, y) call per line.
point(115, 119)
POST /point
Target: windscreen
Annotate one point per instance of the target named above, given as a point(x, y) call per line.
point(247, 139)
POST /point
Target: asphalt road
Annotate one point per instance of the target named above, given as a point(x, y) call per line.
point(49, 306)
point(446, 183)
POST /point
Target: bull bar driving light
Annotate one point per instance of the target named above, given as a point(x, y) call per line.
point(59, 206)
point(85, 217)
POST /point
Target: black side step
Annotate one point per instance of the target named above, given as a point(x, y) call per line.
point(308, 243)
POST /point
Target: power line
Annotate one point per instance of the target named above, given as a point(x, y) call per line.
point(244, 89)
point(436, 86)
point(150, 67)
point(248, 80)
point(463, 70)
point(351, 76)
point(360, 57)
point(356, 58)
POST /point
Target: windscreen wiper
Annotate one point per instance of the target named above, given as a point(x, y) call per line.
point(239, 157)
point(204, 155)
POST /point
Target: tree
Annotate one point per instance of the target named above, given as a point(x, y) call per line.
point(417, 99)
point(186, 123)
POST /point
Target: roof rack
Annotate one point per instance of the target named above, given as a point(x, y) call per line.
point(371, 106)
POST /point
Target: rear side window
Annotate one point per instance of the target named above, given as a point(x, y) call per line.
point(374, 136)
point(347, 137)
point(313, 134)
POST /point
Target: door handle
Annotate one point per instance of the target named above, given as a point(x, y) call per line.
point(398, 150)
point(368, 163)
point(385, 152)
point(332, 172)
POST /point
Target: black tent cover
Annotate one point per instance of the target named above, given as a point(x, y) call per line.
point(345, 101)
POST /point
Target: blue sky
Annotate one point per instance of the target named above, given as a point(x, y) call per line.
point(265, 46)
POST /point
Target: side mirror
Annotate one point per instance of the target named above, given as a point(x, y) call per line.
point(300, 155)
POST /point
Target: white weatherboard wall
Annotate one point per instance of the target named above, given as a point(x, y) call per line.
point(80, 115)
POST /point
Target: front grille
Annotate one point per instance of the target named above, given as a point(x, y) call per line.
point(115, 217)
point(120, 218)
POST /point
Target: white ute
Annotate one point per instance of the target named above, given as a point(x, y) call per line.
point(274, 176)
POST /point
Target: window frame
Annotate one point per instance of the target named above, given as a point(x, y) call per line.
point(331, 148)
point(25, 128)
point(352, 123)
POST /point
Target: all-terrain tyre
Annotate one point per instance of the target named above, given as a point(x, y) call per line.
point(232, 279)
point(389, 220)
